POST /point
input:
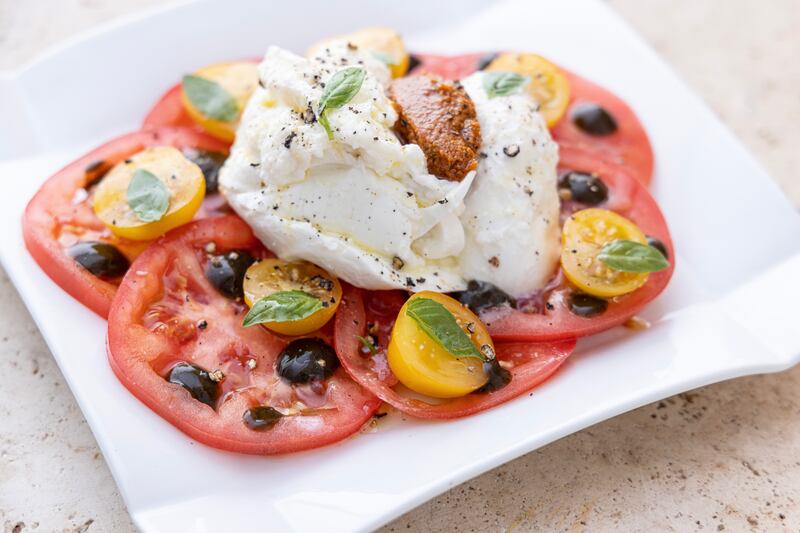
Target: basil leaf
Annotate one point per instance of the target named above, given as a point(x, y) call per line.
point(147, 196)
point(340, 89)
point(210, 98)
point(502, 83)
point(440, 325)
point(284, 306)
point(384, 57)
point(630, 256)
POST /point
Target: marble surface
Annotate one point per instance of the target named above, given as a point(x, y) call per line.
point(724, 457)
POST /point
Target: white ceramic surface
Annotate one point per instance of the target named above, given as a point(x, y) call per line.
point(728, 311)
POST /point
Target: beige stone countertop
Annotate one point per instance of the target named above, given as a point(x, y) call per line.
point(724, 457)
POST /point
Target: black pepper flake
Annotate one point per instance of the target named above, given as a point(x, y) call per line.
point(549, 306)
point(410, 283)
point(420, 280)
point(482, 155)
point(409, 194)
point(202, 324)
point(397, 263)
point(322, 282)
point(443, 201)
point(128, 161)
point(261, 84)
point(512, 150)
point(254, 165)
point(494, 261)
point(287, 143)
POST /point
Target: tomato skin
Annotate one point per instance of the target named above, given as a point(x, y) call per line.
point(52, 206)
point(533, 363)
point(629, 198)
point(169, 111)
point(629, 146)
point(135, 349)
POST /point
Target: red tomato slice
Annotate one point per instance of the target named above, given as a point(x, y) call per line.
point(553, 319)
point(529, 363)
point(448, 67)
point(169, 111)
point(60, 214)
point(153, 326)
point(628, 146)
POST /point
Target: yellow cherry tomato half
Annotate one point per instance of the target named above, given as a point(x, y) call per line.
point(548, 85)
point(425, 366)
point(182, 178)
point(385, 43)
point(239, 80)
point(583, 236)
point(269, 276)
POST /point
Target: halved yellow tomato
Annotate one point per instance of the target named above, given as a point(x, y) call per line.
point(423, 365)
point(385, 43)
point(548, 85)
point(583, 237)
point(236, 80)
point(271, 276)
point(182, 179)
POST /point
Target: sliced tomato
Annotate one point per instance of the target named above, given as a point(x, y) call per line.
point(628, 146)
point(169, 111)
point(550, 317)
point(529, 363)
point(167, 312)
point(60, 215)
point(448, 67)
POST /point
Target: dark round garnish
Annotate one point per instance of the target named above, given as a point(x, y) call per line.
point(593, 119)
point(586, 305)
point(226, 272)
point(100, 258)
point(658, 245)
point(209, 163)
point(486, 59)
point(305, 360)
point(499, 377)
point(482, 295)
point(261, 418)
point(413, 62)
point(584, 188)
point(197, 381)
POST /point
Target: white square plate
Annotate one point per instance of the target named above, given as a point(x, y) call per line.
point(730, 310)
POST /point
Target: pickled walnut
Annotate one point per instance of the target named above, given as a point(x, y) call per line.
point(439, 116)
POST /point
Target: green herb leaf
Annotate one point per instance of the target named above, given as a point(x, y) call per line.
point(630, 256)
point(502, 83)
point(340, 89)
point(284, 306)
point(210, 98)
point(368, 344)
point(440, 325)
point(386, 58)
point(147, 196)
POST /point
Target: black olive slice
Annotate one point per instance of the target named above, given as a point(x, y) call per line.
point(209, 162)
point(584, 188)
point(482, 295)
point(261, 418)
point(499, 377)
point(304, 360)
point(586, 305)
point(197, 381)
point(658, 245)
point(100, 258)
point(413, 62)
point(593, 119)
point(226, 272)
point(485, 60)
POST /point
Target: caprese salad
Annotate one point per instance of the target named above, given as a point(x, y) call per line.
point(287, 246)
